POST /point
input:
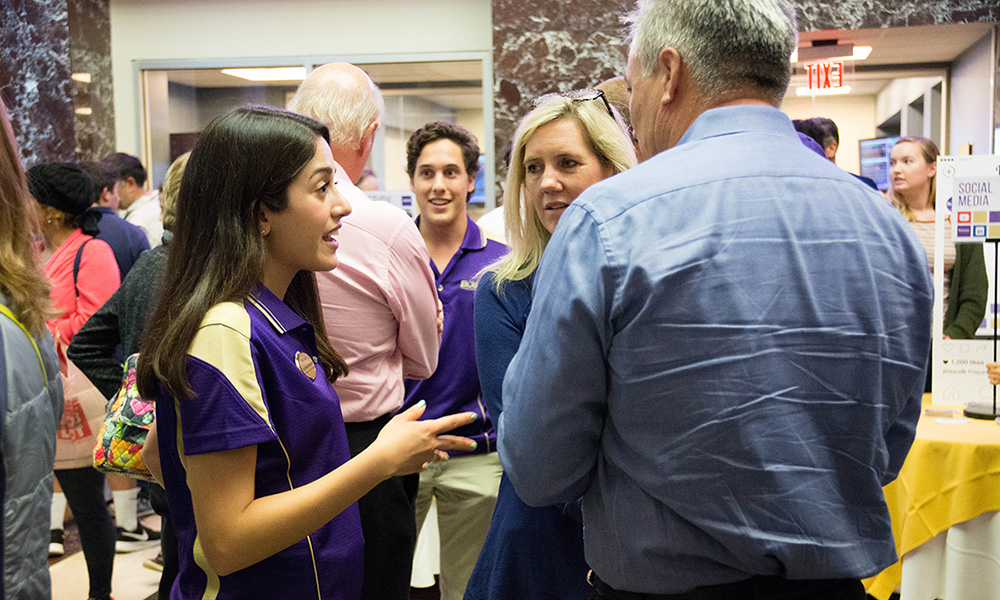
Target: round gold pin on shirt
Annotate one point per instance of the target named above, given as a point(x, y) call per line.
point(306, 364)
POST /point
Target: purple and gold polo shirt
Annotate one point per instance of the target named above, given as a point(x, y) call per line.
point(454, 386)
point(255, 373)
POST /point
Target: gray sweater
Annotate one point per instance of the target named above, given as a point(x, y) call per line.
point(122, 320)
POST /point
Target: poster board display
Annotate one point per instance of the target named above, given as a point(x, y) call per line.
point(968, 191)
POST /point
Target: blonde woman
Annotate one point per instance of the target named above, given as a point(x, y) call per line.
point(30, 391)
point(563, 146)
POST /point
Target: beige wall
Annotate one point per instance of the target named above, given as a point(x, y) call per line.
point(297, 29)
point(854, 116)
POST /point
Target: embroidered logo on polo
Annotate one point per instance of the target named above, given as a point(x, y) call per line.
point(306, 364)
point(467, 284)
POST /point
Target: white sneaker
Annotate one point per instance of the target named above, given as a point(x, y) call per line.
point(56, 542)
point(130, 541)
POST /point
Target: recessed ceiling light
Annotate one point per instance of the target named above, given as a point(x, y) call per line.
point(856, 53)
point(860, 53)
point(269, 73)
point(804, 91)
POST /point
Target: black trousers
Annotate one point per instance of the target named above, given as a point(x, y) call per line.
point(84, 489)
point(755, 588)
point(388, 523)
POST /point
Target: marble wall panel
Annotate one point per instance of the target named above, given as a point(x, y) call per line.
point(42, 42)
point(542, 46)
point(546, 45)
point(35, 78)
point(90, 52)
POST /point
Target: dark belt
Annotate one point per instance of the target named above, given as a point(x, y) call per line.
point(606, 591)
point(755, 587)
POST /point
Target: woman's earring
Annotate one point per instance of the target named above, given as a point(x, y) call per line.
point(262, 232)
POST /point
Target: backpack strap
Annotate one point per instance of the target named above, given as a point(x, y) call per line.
point(10, 315)
point(76, 265)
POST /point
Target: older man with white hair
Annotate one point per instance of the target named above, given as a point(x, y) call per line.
point(381, 311)
point(726, 348)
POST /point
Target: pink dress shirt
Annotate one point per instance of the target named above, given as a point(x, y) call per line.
point(97, 280)
point(380, 306)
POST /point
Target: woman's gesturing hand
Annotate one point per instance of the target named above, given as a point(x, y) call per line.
point(406, 445)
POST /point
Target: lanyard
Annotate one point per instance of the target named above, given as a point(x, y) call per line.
point(6, 311)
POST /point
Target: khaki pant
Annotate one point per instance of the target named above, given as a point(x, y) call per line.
point(466, 491)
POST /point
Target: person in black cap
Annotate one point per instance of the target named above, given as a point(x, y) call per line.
point(84, 275)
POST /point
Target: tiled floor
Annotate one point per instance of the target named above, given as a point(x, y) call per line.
point(130, 581)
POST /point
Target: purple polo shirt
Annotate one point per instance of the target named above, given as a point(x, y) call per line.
point(454, 386)
point(253, 369)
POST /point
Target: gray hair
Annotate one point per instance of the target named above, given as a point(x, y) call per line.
point(346, 110)
point(729, 45)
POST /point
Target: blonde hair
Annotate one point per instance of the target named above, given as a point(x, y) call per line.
point(21, 278)
point(930, 152)
point(171, 187)
point(609, 140)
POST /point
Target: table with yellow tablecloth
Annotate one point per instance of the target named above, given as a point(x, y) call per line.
point(950, 476)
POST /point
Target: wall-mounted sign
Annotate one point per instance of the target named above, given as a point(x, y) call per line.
point(825, 75)
point(399, 198)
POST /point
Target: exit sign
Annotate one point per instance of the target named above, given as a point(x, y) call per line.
point(825, 75)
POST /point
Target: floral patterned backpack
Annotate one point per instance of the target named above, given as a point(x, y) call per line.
point(123, 434)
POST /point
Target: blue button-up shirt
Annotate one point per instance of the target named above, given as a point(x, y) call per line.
point(725, 357)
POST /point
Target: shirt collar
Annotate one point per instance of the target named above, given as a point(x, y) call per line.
point(475, 238)
point(727, 120)
point(277, 313)
point(340, 175)
point(142, 201)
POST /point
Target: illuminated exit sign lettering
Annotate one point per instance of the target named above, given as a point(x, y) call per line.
point(825, 75)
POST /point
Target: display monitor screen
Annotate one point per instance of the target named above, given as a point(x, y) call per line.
point(874, 155)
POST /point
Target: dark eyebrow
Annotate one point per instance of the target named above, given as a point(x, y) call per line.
point(447, 166)
point(326, 170)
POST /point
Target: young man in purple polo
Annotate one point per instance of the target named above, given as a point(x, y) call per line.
point(442, 160)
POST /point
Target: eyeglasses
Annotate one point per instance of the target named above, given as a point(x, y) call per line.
point(581, 95)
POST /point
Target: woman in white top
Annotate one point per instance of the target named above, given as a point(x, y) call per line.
point(913, 170)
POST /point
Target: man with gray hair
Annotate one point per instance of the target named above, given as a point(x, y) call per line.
point(381, 311)
point(727, 343)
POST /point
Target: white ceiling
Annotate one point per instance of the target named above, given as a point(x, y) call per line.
point(430, 80)
point(900, 52)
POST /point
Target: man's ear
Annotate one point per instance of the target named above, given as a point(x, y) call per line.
point(368, 137)
point(669, 63)
point(368, 140)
